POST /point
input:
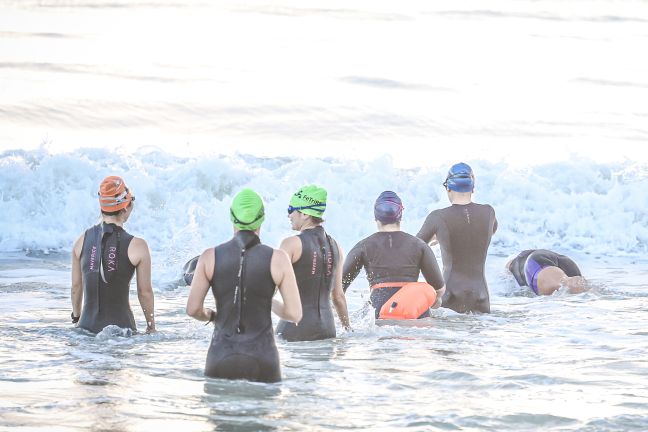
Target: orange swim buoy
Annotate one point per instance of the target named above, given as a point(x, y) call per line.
point(409, 302)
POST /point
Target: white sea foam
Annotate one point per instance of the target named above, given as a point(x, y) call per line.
point(182, 206)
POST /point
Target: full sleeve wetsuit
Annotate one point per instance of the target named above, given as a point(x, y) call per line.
point(527, 265)
point(464, 233)
point(391, 257)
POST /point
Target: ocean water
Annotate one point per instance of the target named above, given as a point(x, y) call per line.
point(191, 101)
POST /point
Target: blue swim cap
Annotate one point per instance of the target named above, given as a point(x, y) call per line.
point(460, 178)
point(388, 208)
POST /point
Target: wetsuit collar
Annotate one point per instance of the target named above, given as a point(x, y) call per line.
point(247, 239)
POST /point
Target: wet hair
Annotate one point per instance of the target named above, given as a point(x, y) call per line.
point(316, 219)
point(115, 213)
point(118, 212)
point(398, 222)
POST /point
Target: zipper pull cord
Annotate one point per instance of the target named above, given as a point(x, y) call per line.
point(237, 291)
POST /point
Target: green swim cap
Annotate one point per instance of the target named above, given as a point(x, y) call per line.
point(310, 200)
point(247, 211)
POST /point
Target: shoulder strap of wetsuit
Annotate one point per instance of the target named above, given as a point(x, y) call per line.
point(92, 266)
point(211, 283)
point(93, 237)
point(334, 249)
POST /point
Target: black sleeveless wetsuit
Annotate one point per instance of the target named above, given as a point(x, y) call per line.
point(243, 344)
point(106, 290)
point(527, 265)
point(189, 269)
point(315, 272)
point(391, 257)
point(464, 233)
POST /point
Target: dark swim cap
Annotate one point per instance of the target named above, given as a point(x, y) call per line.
point(460, 178)
point(388, 208)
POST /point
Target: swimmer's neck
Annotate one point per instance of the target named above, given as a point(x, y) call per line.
point(388, 227)
point(461, 198)
point(113, 220)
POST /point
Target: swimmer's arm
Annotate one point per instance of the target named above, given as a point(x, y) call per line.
point(432, 274)
point(284, 277)
point(352, 266)
point(337, 295)
point(200, 286)
point(76, 293)
point(140, 256)
point(439, 298)
point(428, 231)
point(293, 247)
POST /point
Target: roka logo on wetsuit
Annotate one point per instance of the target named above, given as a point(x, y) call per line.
point(329, 263)
point(112, 256)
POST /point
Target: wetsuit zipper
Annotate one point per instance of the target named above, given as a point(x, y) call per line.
point(239, 291)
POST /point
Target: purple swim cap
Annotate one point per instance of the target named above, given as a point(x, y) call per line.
point(388, 208)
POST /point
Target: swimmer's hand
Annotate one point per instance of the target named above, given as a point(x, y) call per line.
point(439, 298)
point(212, 317)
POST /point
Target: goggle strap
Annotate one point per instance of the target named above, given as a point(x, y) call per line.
point(111, 201)
point(240, 222)
point(314, 206)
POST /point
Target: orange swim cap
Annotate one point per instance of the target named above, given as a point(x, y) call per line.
point(114, 194)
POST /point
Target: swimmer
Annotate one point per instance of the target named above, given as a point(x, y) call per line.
point(104, 260)
point(317, 261)
point(393, 259)
point(464, 232)
point(545, 272)
point(244, 275)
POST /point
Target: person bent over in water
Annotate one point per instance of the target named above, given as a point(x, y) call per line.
point(243, 275)
point(393, 260)
point(464, 232)
point(317, 261)
point(545, 272)
point(104, 260)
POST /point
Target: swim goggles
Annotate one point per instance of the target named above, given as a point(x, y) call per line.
point(455, 177)
point(112, 201)
point(321, 207)
point(240, 222)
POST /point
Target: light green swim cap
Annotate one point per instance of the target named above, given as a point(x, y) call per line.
point(247, 212)
point(310, 200)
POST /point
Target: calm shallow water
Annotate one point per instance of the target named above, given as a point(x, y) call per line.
point(566, 362)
